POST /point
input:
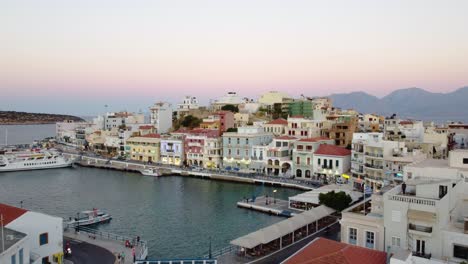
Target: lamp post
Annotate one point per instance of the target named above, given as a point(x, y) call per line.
point(274, 196)
point(77, 222)
point(209, 252)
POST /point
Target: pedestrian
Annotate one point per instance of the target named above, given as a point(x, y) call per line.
point(138, 240)
point(118, 257)
point(134, 254)
point(123, 256)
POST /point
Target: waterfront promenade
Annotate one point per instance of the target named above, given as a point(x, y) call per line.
point(269, 205)
point(215, 174)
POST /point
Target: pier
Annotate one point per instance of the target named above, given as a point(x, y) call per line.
point(269, 205)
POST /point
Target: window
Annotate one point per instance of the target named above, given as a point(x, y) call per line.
point(308, 161)
point(421, 246)
point(352, 237)
point(318, 161)
point(238, 140)
point(229, 152)
point(395, 241)
point(460, 252)
point(298, 160)
point(45, 260)
point(13, 259)
point(465, 160)
point(20, 256)
point(247, 141)
point(370, 238)
point(43, 239)
point(229, 140)
point(337, 163)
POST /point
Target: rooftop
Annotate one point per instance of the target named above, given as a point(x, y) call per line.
point(10, 213)
point(332, 150)
point(151, 136)
point(430, 163)
point(146, 127)
point(286, 138)
point(10, 238)
point(324, 251)
point(279, 121)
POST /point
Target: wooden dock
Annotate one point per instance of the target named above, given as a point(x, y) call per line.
point(269, 205)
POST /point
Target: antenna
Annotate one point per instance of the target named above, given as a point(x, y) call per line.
point(3, 238)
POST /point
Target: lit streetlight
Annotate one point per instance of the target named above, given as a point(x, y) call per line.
point(274, 196)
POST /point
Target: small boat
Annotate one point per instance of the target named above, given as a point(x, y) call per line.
point(151, 172)
point(90, 217)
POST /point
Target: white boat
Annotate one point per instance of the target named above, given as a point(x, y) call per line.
point(32, 160)
point(90, 217)
point(151, 172)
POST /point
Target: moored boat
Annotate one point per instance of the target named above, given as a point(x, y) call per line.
point(90, 217)
point(34, 159)
point(151, 172)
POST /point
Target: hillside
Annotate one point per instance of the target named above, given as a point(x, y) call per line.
point(413, 103)
point(16, 118)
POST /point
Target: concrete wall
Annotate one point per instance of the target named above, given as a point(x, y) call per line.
point(5, 257)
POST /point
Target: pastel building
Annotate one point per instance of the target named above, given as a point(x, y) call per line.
point(303, 155)
point(301, 127)
point(221, 121)
point(172, 150)
point(161, 117)
point(203, 148)
point(145, 148)
point(237, 146)
point(277, 127)
point(279, 156)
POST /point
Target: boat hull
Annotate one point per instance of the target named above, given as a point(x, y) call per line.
point(56, 166)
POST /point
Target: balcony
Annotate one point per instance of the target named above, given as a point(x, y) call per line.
point(374, 155)
point(422, 255)
point(357, 160)
point(419, 228)
point(373, 166)
point(357, 171)
point(412, 199)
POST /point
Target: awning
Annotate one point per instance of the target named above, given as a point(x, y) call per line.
point(280, 229)
point(421, 215)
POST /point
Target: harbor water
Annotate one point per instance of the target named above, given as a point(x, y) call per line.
point(25, 134)
point(176, 215)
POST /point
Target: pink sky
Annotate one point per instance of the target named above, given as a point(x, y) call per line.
point(171, 48)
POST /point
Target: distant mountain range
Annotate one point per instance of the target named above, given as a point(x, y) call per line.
point(414, 103)
point(12, 117)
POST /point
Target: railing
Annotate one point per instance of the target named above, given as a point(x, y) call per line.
point(374, 155)
point(422, 255)
point(372, 166)
point(141, 246)
point(414, 200)
point(425, 229)
point(178, 261)
point(220, 252)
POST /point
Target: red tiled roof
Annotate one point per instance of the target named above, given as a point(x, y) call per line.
point(332, 150)
point(279, 121)
point(10, 213)
point(286, 138)
point(152, 136)
point(324, 251)
point(314, 139)
point(146, 127)
point(406, 122)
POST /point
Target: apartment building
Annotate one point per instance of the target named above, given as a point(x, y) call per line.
point(161, 117)
point(277, 127)
point(342, 129)
point(279, 156)
point(403, 130)
point(303, 156)
point(237, 146)
point(330, 162)
point(203, 148)
point(301, 127)
point(172, 150)
point(145, 148)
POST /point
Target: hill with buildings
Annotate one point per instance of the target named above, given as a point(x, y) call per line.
point(413, 103)
point(16, 118)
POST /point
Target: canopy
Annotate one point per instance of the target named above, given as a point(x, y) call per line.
point(280, 229)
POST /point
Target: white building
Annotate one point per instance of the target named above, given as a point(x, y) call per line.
point(231, 98)
point(331, 162)
point(44, 234)
point(268, 99)
point(304, 128)
point(14, 247)
point(405, 130)
point(161, 117)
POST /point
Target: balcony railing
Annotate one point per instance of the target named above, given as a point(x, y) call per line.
point(412, 199)
point(425, 229)
point(422, 255)
point(373, 166)
point(376, 155)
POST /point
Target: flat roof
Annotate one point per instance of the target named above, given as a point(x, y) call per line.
point(11, 237)
point(431, 163)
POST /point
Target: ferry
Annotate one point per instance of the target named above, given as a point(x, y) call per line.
point(151, 172)
point(90, 217)
point(34, 159)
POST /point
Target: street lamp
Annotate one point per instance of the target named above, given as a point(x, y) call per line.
point(77, 225)
point(274, 196)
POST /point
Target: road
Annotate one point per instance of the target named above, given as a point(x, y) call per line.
point(84, 253)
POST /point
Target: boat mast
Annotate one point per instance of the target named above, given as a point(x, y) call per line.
point(6, 136)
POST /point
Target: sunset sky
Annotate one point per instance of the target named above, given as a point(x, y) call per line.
point(76, 56)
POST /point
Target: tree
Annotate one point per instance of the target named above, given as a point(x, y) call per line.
point(338, 201)
point(190, 121)
point(232, 129)
point(231, 108)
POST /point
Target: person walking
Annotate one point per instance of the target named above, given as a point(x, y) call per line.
point(134, 254)
point(122, 255)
